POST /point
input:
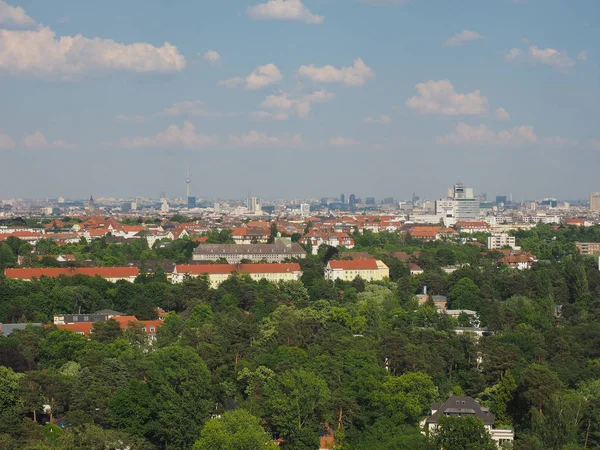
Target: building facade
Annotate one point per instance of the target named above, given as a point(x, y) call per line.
point(282, 249)
point(595, 201)
point(348, 270)
point(459, 406)
point(498, 241)
point(218, 273)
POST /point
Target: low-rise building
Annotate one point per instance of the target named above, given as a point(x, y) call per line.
point(588, 248)
point(472, 227)
point(283, 248)
point(332, 239)
point(459, 406)
point(348, 270)
point(111, 274)
point(218, 273)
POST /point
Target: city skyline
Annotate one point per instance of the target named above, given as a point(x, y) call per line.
point(299, 98)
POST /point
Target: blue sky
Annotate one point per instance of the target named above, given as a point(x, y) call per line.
point(299, 98)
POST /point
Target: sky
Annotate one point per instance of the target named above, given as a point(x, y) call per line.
point(299, 98)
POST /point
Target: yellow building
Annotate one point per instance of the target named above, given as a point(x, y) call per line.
point(217, 273)
point(367, 269)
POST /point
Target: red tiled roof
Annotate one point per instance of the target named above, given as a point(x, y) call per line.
point(269, 268)
point(354, 264)
point(104, 272)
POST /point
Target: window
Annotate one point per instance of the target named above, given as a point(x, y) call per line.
point(86, 319)
point(152, 329)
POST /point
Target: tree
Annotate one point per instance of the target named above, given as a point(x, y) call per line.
point(295, 404)
point(539, 384)
point(234, 430)
point(107, 331)
point(10, 402)
point(465, 295)
point(462, 433)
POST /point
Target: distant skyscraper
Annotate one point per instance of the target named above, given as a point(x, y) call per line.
point(352, 200)
point(305, 209)
point(501, 199)
point(191, 202)
point(595, 201)
point(343, 198)
point(370, 200)
point(388, 200)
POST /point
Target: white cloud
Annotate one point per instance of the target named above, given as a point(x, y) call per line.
point(212, 57)
point(126, 118)
point(462, 38)
point(260, 77)
point(40, 53)
point(283, 10)
point(282, 106)
point(14, 16)
point(172, 137)
point(501, 114)
point(550, 57)
point(340, 141)
point(357, 75)
point(439, 97)
point(582, 56)
point(383, 119)
point(560, 141)
point(6, 142)
point(38, 141)
point(257, 139)
point(467, 134)
point(190, 108)
point(512, 54)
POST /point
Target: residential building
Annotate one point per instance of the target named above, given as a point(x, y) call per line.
point(77, 318)
point(595, 202)
point(588, 248)
point(150, 327)
point(111, 274)
point(498, 241)
point(472, 227)
point(348, 270)
point(218, 273)
point(459, 406)
point(305, 209)
point(283, 248)
point(316, 238)
point(250, 235)
point(518, 259)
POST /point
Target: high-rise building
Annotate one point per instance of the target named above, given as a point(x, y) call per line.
point(460, 203)
point(370, 200)
point(501, 199)
point(352, 200)
point(191, 202)
point(595, 201)
point(254, 206)
point(342, 199)
point(305, 209)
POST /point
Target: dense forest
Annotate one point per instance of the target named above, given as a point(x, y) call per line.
point(251, 363)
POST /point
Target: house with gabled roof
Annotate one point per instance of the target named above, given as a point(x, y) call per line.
point(461, 406)
point(348, 270)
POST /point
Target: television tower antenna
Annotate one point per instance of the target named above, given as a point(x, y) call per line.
point(187, 180)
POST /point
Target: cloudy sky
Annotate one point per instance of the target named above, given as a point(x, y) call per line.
point(299, 98)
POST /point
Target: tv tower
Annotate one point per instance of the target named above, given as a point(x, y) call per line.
point(187, 181)
point(191, 201)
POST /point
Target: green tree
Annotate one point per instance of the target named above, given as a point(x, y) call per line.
point(465, 295)
point(107, 331)
point(462, 433)
point(10, 401)
point(295, 403)
point(234, 430)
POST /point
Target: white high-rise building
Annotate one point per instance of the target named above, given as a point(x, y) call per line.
point(305, 209)
point(595, 201)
